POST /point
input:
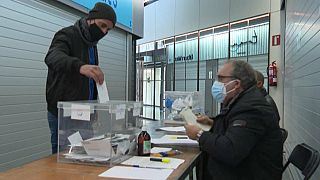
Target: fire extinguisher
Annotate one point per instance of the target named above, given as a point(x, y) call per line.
point(272, 75)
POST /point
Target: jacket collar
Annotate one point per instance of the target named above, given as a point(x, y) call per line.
point(226, 108)
point(83, 29)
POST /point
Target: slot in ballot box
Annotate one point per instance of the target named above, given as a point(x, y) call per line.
point(98, 133)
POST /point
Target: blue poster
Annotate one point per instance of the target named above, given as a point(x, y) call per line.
point(123, 9)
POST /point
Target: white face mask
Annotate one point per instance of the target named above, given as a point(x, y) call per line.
point(219, 90)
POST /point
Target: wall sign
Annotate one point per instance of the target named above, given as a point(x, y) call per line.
point(123, 9)
point(276, 40)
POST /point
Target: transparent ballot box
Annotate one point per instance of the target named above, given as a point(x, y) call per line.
point(98, 133)
point(175, 101)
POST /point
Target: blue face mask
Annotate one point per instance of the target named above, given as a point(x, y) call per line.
point(219, 91)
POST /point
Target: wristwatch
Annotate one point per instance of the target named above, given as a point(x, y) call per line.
point(199, 134)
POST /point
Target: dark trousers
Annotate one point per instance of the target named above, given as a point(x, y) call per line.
point(53, 125)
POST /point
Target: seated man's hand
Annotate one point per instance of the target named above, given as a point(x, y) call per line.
point(192, 130)
point(203, 119)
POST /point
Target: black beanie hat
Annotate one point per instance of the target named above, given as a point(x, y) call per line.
point(103, 11)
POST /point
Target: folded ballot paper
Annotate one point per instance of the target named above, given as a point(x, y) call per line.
point(190, 118)
point(103, 93)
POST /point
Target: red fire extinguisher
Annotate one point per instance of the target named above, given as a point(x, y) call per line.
point(272, 76)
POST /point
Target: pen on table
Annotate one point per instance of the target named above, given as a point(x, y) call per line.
point(165, 154)
point(164, 160)
point(137, 166)
point(179, 137)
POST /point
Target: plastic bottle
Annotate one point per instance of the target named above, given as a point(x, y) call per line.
point(144, 143)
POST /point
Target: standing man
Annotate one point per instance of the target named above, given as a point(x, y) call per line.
point(245, 141)
point(72, 61)
point(260, 82)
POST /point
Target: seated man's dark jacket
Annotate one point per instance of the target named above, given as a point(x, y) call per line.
point(67, 53)
point(271, 102)
point(245, 141)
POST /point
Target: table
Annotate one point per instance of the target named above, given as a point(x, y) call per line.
point(48, 168)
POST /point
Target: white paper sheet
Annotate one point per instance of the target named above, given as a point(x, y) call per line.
point(160, 149)
point(80, 112)
point(136, 109)
point(175, 140)
point(190, 118)
point(136, 173)
point(121, 111)
point(75, 139)
point(174, 129)
point(103, 93)
point(146, 163)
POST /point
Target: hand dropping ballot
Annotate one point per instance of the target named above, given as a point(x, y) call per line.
point(103, 92)
point(190, 118)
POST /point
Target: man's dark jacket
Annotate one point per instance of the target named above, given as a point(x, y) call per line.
point(271, 102)
point(67, 53)
point(245, 141)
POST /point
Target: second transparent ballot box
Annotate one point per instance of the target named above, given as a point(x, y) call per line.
point(98, 133)
point(175, 101)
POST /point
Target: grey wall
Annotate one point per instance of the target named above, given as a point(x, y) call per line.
point(27, 28)
point(302, 76)
point(166, 18)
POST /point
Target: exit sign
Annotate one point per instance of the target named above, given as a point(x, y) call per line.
point(276, 40)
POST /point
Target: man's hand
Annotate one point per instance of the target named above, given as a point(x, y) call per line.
point(92, 71)
point(203, 119)
point(192, 130)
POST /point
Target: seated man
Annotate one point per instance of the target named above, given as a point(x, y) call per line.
point(244, 142)
point(260, 82)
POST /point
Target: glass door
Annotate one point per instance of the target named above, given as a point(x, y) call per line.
point(153, 90)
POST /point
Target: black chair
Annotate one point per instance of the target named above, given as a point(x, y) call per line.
point(284, 134)
point(305, 158)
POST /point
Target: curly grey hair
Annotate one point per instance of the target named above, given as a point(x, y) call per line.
point(244, 72)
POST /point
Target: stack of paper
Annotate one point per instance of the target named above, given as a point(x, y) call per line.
point(173, 129)
point(175, 140)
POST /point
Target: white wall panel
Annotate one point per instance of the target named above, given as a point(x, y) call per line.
point(213, 12)
point(164, 19)
point(149, 28)
point(302, 74)
point(275, 5)
point(190, 15)
point(248, 8)
point(186, 16)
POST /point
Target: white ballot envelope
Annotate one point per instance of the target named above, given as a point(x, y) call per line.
point(103, 92)
point(100, 147)
point(190, 118)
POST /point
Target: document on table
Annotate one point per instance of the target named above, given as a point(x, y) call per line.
point(190, 118)
point(136, 173)
point(175, 140)
point(103, 92)
point(145, 162)
point(174, 129)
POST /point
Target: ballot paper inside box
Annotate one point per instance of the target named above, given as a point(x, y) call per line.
point(96, 133)
point(175, 101)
